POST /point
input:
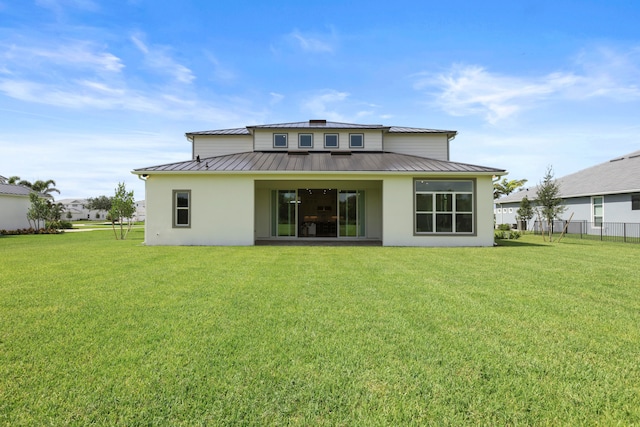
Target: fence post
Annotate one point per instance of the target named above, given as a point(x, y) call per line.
point(601, 228)
point(624, 232)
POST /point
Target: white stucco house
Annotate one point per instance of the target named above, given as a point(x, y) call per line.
point(14, 206)
point(605, 193)
point(320, 180)
point(76, 210)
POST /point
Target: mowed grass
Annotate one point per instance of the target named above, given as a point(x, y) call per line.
point(105, 332)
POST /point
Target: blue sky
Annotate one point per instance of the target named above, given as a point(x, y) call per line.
point(90, 90)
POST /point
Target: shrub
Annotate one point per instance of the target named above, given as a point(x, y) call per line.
point(506, 234)
point(29, 231)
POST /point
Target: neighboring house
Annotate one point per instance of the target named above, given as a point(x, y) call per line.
point(78, 211)
point(141, 210)
point(14, 206)
point(608, 192)
point(320, 180)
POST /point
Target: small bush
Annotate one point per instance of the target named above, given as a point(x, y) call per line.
point(504, 227)
point(29, 231)
point(506, 234)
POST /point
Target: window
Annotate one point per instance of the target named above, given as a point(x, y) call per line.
point(356, 140)
point(181, 208)
point(444, 207)
point(305, 140)
point(330, 140)
point(280, 140)
point(635, 202)
point(598, 210)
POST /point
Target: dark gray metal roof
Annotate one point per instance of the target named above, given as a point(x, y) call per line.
point(14, 190)
point(272, 161)
point(618, 175)
point(317, 124)
point(236, 131)
point(320, 124)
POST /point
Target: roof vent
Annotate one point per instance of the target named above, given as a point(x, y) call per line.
point(317, 122)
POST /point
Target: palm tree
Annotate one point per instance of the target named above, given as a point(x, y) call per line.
point(504, 187)
point(45, 187)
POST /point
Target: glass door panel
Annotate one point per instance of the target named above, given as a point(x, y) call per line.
point(283, 217)
point(351, 205)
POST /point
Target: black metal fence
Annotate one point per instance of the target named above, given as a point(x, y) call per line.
point(628, 232)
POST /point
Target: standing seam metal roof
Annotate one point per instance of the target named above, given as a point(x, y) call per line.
point(328, 125)
point(318, 162)
point(618, 175)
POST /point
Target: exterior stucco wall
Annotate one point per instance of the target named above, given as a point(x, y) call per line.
point(235, 209)
point(221, 210)
point(398, 215)
point(13, 212)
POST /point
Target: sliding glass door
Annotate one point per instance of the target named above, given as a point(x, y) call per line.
point(283, 217)
point(351, 216)
point(317, 213)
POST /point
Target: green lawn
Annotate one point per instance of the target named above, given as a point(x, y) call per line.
point(106, 332)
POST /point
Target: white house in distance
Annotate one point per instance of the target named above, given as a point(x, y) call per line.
point(605, 193)
point(320, 180)
point(14, 206)
point(75, 210)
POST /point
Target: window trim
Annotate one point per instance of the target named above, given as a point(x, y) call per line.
point(473, 212)
point(300, 135)
point(593, 211)
point(351, 143)
point(286, 140)
point(176, 208)
point(337, 135)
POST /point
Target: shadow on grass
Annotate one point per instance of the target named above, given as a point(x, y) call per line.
point(516, 243)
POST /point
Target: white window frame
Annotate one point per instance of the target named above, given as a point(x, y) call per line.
point(300, 135)
point(454, 211)
point(351, 135)
point(593, 211)
point(177, 208)
point(286, 140)
point(337, 135)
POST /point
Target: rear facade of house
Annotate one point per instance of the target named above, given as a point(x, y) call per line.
point(320, 180)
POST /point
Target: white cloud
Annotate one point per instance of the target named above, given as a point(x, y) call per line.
point(465, 90)
point(323, 105)
point(219, 71)
point(58, 5)
point(158, 59)
point(275, 98)
point(72, 53)
point(311, 43)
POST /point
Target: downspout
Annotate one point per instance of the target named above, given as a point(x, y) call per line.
point(144, 177)
point(450, 138)
point(191, 139)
